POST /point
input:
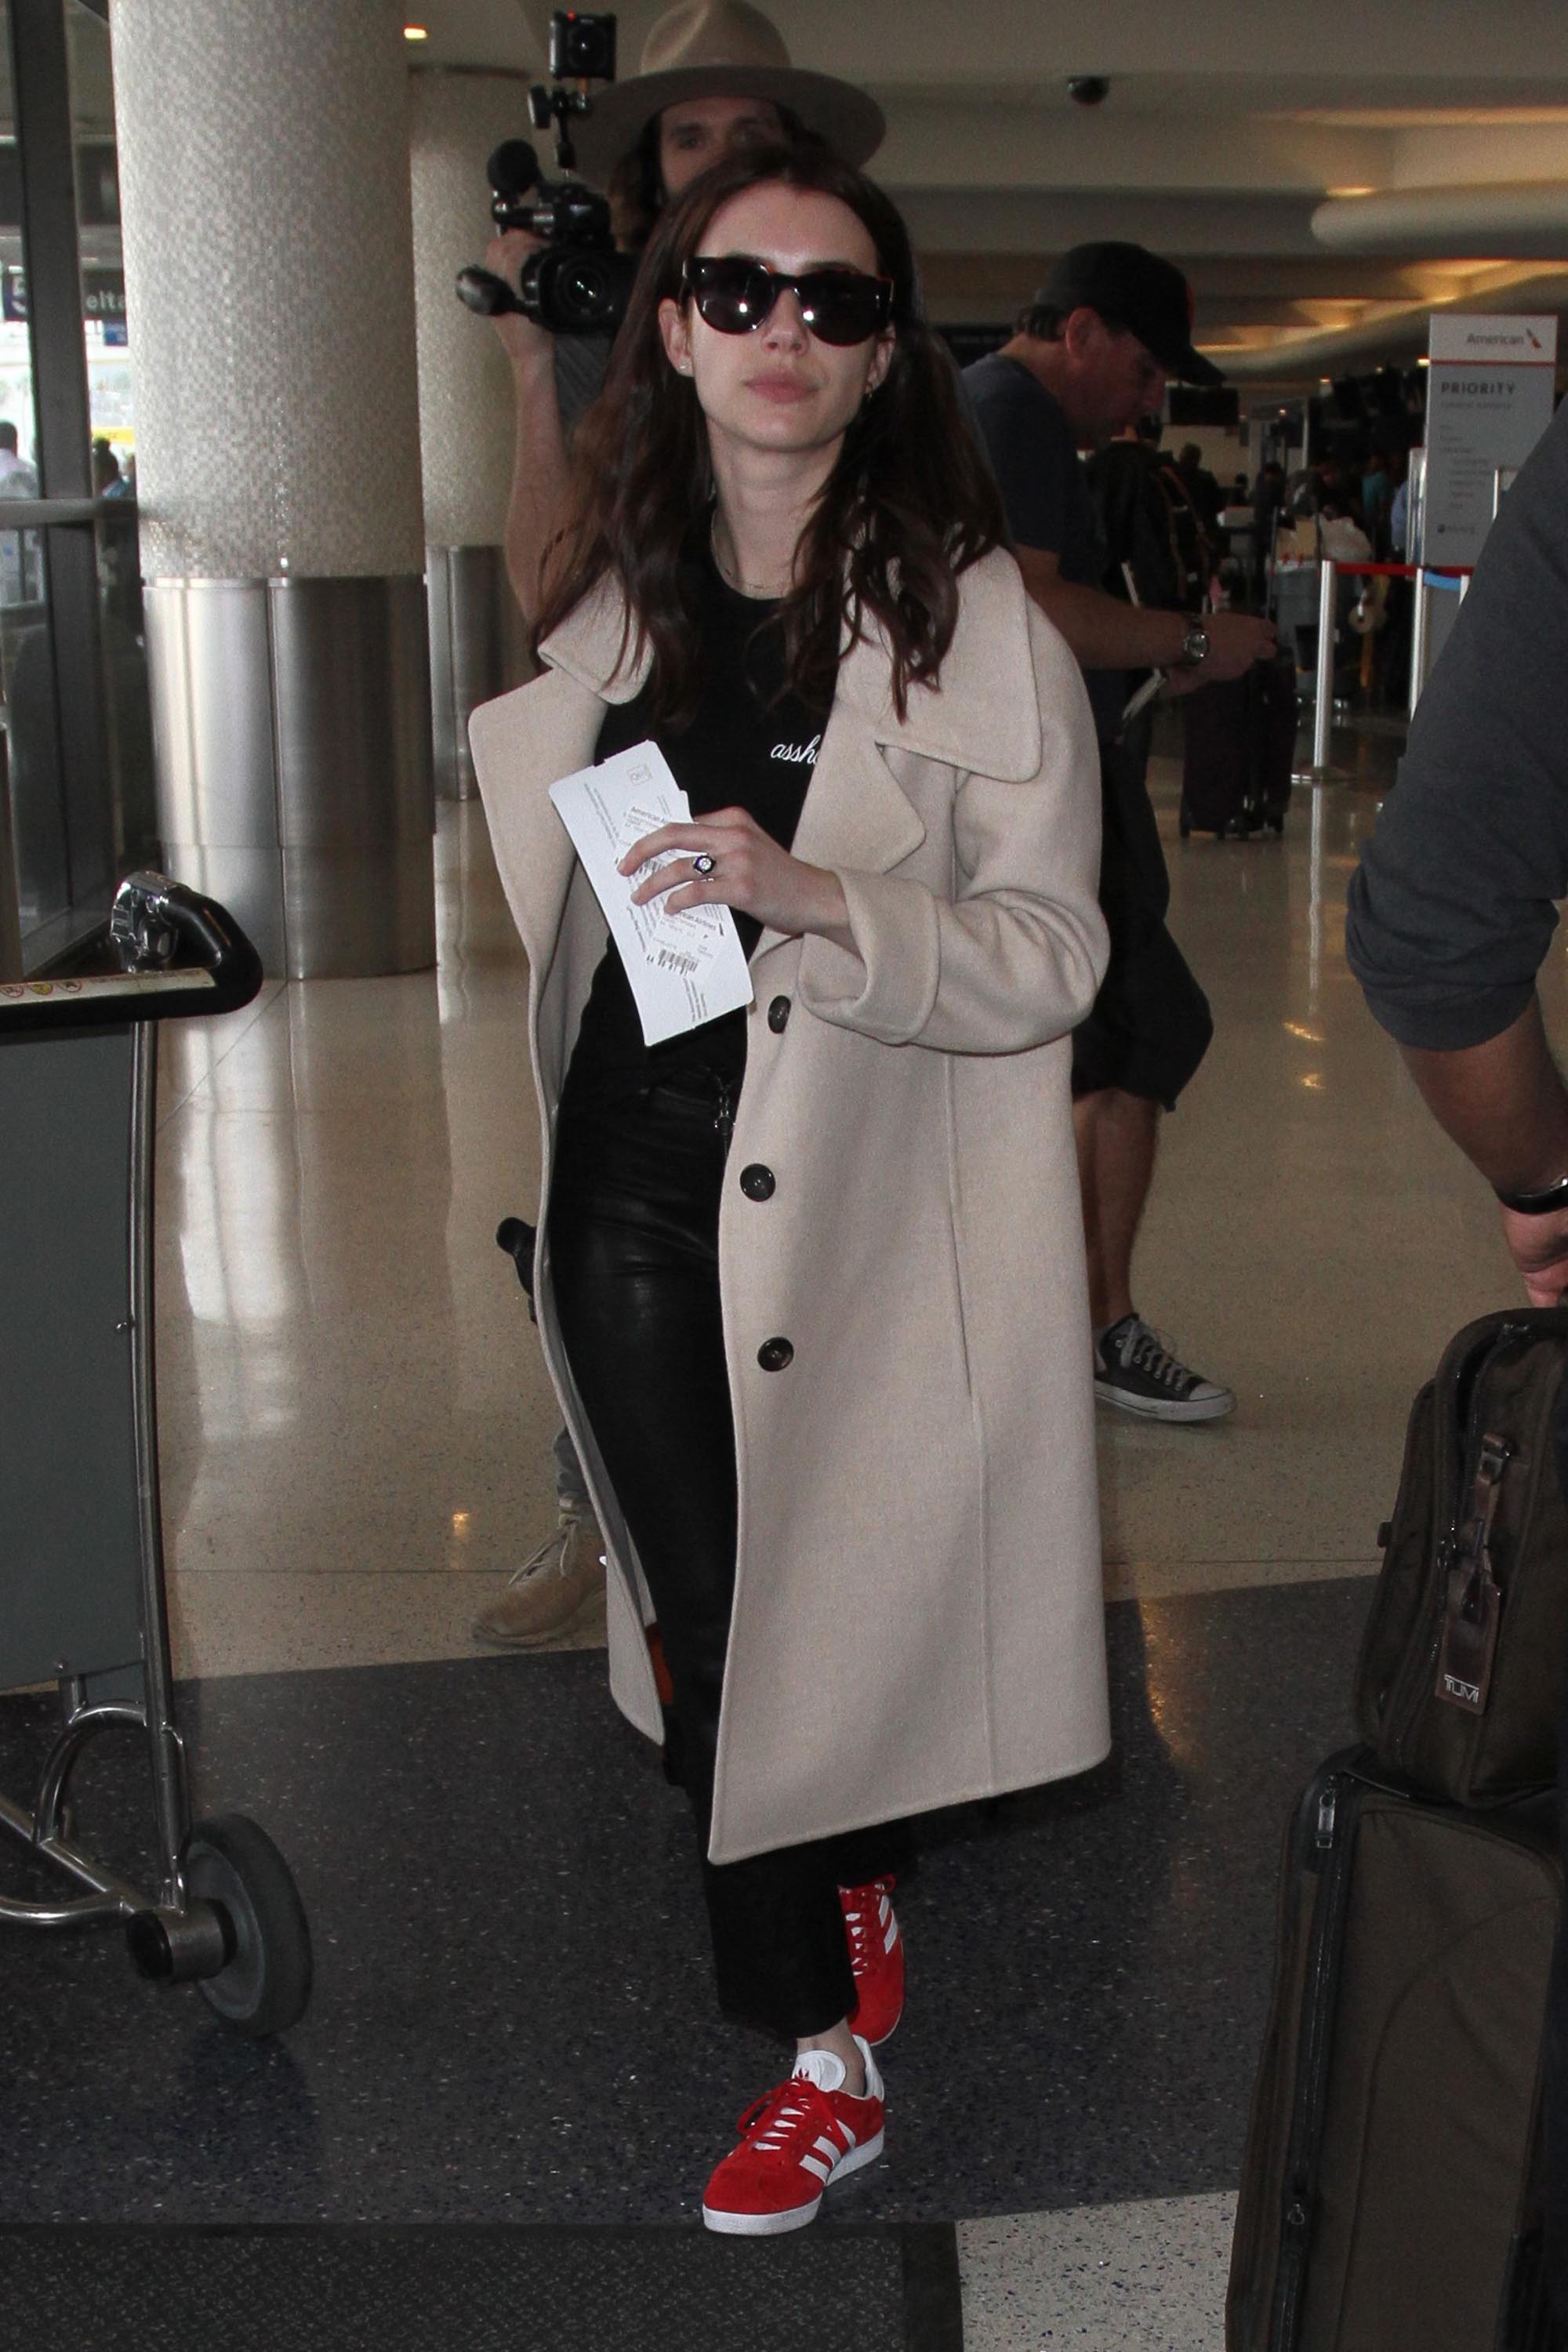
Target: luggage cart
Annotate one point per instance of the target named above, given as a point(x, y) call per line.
point(81, 1555)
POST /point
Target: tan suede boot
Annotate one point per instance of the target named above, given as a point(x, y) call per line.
point(551, 1590)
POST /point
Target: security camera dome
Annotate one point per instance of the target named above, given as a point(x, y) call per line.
point(1087, 90)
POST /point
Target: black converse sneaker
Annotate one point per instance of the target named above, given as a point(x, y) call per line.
point(1135, 1369)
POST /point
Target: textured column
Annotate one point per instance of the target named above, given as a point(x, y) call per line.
point(269, 281)
point(466, 407)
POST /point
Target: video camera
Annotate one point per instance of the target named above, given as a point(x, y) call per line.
point(579, 285)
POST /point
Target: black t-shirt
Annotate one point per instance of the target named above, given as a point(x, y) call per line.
point(752, 744)
point(1045, 492)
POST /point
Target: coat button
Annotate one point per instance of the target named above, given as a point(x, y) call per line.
point(757, 1182)
point(773, 1355)
point(778, 1014)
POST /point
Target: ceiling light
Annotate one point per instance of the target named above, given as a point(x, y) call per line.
point(1425, 118)
point(1350, 192)
point(416, 32)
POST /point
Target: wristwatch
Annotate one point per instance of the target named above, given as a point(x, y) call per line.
point(1194, 646)
point(1536, 1204)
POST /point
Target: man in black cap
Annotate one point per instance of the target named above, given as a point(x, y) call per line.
point(1089, 357)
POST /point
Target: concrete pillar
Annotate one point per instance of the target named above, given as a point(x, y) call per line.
point(477, 642)
point(269, 280)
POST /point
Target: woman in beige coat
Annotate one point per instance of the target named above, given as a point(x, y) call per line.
point(811, 1280)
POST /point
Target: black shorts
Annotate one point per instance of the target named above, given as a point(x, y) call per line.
point(1150, 1027)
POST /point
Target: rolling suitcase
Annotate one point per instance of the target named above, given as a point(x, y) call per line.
point(1459, 1684)
point(1390, 2196)
point(1241, 751)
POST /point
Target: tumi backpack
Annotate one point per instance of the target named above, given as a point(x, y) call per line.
point(1459, 1685)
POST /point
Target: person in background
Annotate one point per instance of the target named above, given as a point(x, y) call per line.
point(108, 481)
point(1267, 498)
point(1326, 482)
point(17, 478)
point(20, 558)
point(1132, 484)
point(1376, 497)
point(1200, 486)
point(841, 1437)
point(715, 76)
point(1452, 912)
point(1399, 521)
point(1089, 356)
point(715, 80)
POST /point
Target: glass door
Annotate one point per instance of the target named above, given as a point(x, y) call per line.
point(74, 711)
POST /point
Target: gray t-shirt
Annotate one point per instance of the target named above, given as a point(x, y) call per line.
point(1045, 492)
point(581, 362)
point(1451, 910)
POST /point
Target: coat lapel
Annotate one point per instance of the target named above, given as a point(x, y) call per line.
point(856, 816)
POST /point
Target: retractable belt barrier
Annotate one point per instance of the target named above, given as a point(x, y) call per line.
point(1409, 570)
point(1448, 576)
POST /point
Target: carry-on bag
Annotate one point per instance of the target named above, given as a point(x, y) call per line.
point(1240, 754)
point(1391, 2193)
point(1461, 1681)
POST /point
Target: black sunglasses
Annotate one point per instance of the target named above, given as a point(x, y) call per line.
point(734, 295)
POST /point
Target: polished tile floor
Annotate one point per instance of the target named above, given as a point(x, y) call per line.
point(353, 1406)
point(511, 2018)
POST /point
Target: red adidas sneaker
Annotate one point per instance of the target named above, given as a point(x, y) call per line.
point(877, 1956)
point(792, 2143)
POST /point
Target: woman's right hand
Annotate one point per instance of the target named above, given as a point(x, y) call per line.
point(504, 257)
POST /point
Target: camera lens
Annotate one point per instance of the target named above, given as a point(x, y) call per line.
point(581, 292)
point(582, 51)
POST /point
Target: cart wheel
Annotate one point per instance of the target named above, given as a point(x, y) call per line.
point(264, 1986)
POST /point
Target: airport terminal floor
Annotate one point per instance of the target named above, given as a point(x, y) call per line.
point(512, 2022)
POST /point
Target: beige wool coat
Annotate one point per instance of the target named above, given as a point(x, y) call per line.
point(917, 1617)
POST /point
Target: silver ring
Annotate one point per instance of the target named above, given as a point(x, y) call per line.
point(704, 865)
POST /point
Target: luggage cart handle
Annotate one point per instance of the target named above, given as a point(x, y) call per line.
point(152, 921)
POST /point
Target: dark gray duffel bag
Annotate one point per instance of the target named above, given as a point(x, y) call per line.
point(1459, 1688)
point(1390, 2196)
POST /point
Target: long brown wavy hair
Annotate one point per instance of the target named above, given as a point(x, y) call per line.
point(909, 506)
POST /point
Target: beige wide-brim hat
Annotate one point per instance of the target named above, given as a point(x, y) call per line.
point(721, 48)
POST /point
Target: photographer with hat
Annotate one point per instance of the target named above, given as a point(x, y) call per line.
point(1089, 356)
point(715, 80)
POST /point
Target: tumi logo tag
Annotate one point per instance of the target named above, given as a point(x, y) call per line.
point(1468, 1693)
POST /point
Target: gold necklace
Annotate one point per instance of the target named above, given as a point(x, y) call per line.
point(740, 587)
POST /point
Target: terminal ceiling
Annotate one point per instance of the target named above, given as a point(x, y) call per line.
point(1228, 124)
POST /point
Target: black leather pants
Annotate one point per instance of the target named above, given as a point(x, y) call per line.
point(634, 1257)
